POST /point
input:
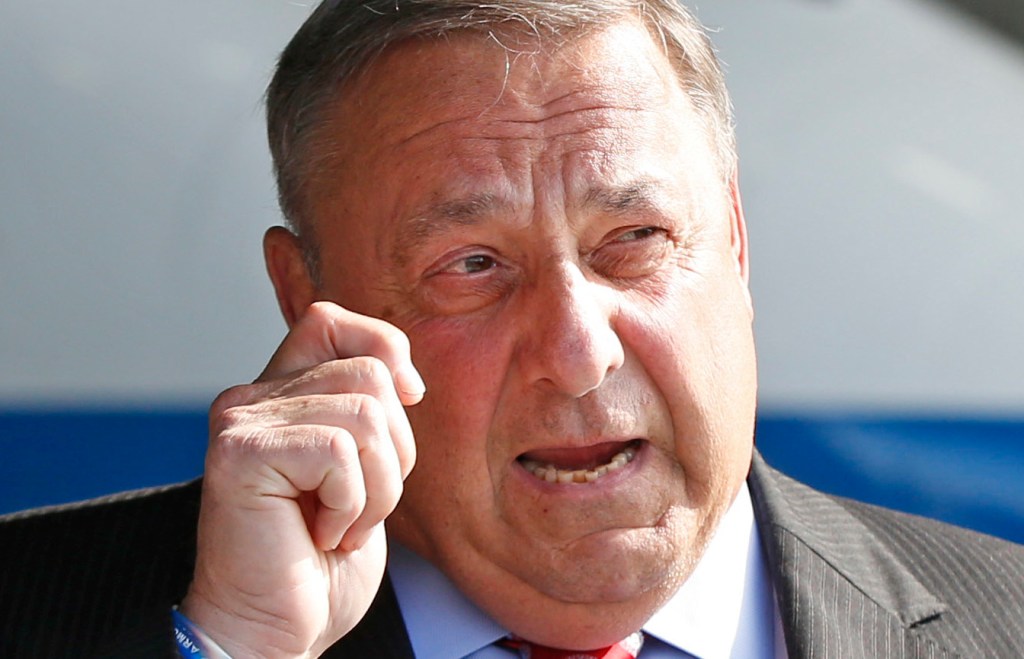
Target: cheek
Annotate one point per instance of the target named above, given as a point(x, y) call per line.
point(463, 365)
point(695, 342)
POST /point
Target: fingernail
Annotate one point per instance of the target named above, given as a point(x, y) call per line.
point(354, 540)
point(409, 381)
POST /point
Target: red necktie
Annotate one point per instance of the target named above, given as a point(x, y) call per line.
point(625, 649)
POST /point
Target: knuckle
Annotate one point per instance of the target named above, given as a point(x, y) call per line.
point(396, 339)
point(229, 428)
point(321, 312)
point(227, 425)
point(371, 410)
point(373, 417)
point(228, 399)
point(232, 417)
point(347, 501)
point(348, 511)
point(391, 343)
point(352, 507)
point(227, 450)
point(371, 370)
point(243, 439)
point(341, 447)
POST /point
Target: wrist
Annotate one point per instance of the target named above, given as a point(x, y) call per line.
point(235, 636)
point(193, 642)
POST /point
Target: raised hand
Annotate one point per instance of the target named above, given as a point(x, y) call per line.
point(302, 469)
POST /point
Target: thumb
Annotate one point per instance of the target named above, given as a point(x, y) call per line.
point(327, 331)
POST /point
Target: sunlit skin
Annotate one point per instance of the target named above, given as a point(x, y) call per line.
point(552, 230)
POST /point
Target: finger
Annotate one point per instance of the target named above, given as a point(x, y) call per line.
point(327, 332)
point(360, 375)
point(361, 484)
point(351, 464)
point(262, 469)
point(381, 472)
point(254, 462)
point(342, 497)
point(310, 398)
point(366, 419)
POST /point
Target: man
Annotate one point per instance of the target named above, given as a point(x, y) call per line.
point(520, 360)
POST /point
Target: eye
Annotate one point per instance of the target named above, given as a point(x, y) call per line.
point(473, 264)
point(637, 251)
point(636, 234)
point(465, 281)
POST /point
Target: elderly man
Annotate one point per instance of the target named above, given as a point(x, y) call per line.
point(515, 406)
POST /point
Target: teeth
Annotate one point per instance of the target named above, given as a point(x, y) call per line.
point(552, 474)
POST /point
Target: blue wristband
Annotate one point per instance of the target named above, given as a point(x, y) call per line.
point(193, 643)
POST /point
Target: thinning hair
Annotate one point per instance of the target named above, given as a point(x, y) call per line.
point(341, 38)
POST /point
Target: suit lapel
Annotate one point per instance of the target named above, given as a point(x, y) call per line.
point(841, 592)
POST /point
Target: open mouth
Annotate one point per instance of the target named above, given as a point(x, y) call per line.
point(579, 465)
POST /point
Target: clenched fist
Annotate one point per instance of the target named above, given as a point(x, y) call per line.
point(302, 469)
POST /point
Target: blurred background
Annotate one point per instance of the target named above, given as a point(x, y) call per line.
point(882, 165)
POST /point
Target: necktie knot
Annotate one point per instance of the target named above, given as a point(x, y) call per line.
point(628, 648)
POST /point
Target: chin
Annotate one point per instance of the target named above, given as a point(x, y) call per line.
point(582, 626)
point(588, 605)
point(613, 578)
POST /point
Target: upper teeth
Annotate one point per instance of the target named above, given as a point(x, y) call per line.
point(553, 474)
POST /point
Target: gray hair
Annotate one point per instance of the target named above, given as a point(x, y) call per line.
point(342, 37)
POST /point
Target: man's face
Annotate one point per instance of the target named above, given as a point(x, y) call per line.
point(552, 232)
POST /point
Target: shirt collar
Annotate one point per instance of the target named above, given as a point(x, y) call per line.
point(425, 596)
point(726, 608)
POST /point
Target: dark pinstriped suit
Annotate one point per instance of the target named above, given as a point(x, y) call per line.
point(97, 579)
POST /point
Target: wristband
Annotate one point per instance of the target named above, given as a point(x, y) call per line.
point(193, 643)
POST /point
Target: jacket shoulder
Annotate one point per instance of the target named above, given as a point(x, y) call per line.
point(960, 564)
point(77, 575)
point(868, 570)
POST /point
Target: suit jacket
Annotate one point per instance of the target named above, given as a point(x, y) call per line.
point(97, 579)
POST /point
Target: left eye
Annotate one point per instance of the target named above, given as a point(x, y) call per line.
point(474, 263)
point(636, 234)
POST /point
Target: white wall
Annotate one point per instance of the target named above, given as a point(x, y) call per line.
point(881, 148)
point(882, 151)
point(134, 190)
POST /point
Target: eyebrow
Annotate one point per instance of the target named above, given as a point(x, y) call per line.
point(638, 196)
point(442, 217)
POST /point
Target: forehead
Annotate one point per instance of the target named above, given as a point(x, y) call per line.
point(479, 121)
point(478, 79)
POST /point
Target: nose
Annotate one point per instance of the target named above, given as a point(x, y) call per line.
point(570, 340)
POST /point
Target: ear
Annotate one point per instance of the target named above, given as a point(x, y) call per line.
point(738, 237)
point(286, 266)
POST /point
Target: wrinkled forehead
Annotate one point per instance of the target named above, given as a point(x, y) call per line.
point(473, 75)
point(466, 117)
point(478, 80)
point(479, 107)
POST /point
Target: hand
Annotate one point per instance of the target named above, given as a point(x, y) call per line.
point(302, 469)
